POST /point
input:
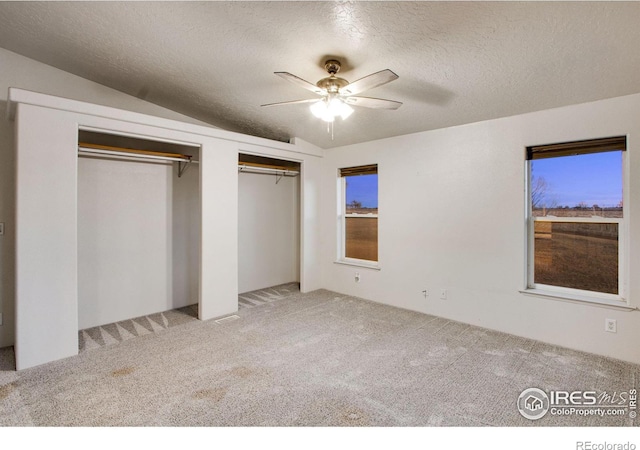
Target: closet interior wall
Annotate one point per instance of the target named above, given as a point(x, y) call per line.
point(268, 224)
point(138, 232)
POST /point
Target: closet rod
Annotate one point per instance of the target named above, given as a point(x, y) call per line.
point(255, 169)
point(126, 154)
point(111, 150)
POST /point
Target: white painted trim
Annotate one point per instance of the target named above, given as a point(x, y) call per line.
point(592, 219)
point(292, 154)
point(358, 263)
point(22, 96)
point(342, 200)
point(116, 132)
point(624, 232)
point(362, 216)
point(577, 294)
point(565, 295)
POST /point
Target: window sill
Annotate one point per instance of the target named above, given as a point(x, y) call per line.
point(576, 298)
point(358, 263)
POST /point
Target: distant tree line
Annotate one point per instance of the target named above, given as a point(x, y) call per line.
point(540, 198)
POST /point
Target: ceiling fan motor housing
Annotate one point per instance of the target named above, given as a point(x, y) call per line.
point(332, 84)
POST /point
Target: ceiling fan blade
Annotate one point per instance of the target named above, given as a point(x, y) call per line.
point(312, 100)
point(376, 103)
point(369, 82)
point(300, 82)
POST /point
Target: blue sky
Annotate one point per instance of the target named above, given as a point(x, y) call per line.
point(595, 179)
point(363, 188)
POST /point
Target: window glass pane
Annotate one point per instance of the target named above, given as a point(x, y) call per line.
point(577, 255)
point(362, 194)
point(361, 230)
point(577, 185)
point(361, 240)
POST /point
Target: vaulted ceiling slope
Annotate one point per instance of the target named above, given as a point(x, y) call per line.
point(458, 62)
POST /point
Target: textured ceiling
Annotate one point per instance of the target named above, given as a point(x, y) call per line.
point(458, 62)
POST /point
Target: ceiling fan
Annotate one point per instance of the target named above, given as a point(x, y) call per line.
point(337, 93)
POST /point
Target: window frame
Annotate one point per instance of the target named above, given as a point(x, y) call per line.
point(342, 223)
point(546, 290)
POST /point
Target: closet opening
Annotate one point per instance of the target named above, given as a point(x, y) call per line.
point(138, 231)
point(268, 228)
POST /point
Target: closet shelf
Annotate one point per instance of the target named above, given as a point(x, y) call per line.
point(131, 152)
point(85, 148)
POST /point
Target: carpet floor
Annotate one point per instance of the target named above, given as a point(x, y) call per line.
point(315, 359)
point(113, 333)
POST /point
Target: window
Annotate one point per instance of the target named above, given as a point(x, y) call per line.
point(358, 213)
point(576, 217)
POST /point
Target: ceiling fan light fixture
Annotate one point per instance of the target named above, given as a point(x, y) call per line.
point(337, 107)
point(329, 109)
point(320, 109)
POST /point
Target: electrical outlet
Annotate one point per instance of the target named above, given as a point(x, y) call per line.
point(357, 277)
point(443, 294)
point(610, 325)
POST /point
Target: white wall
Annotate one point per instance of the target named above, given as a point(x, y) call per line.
point(184, 261)
point(21, 72)
point(452, 204)
point(268, 231)
point(46, 239)
point(219, 232)
point(138, 239)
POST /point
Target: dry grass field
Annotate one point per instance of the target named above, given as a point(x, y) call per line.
point(574, 255)
point(578, 212)
point(577, 256)
point(362, 238)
